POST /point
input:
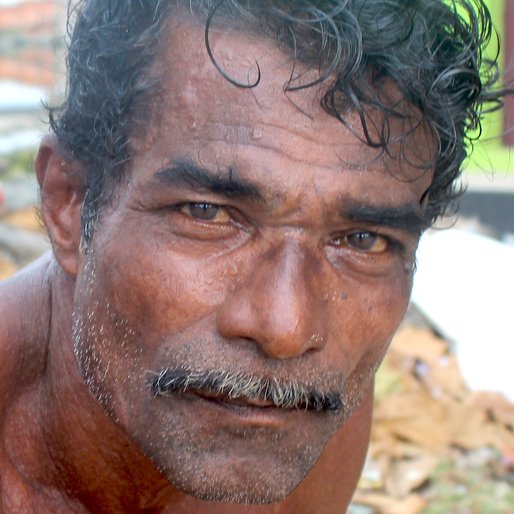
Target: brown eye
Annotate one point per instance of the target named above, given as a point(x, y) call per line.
point(206, 212)
point(366, 242)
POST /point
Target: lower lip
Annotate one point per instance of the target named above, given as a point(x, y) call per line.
point(247, 414)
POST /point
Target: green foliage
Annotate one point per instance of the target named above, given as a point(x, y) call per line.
point(21, 161)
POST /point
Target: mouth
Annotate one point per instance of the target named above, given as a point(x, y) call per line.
point(223, 400)
point(241, 390)
point(235, 413)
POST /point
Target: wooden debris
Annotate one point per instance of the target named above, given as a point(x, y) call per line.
point(425, 418)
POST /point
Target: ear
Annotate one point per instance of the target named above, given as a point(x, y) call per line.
point(61, 202)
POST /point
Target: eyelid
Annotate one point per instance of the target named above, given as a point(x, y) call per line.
point(235, 217)
point(378, 244)
point(220, 209)
point(393, 244)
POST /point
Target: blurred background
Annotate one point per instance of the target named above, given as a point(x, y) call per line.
point(443, 437)
point(32, 71)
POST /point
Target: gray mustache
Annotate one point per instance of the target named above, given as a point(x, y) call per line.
point(237, 385)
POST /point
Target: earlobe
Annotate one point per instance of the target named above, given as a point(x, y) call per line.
point(61, 201)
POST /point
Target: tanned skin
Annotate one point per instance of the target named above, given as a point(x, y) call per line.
point(38, 428)
point(300, 283)
point(33, 482)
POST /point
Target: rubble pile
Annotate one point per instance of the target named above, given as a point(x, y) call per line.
point(436, 446)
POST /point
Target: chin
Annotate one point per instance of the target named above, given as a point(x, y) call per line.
point(243, 497)
point(257, 490)
point(255, 474)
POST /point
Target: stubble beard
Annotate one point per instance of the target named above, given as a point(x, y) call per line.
point(94, 343)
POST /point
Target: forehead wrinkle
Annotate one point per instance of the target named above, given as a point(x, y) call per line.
point(281, 153)
point(230, 133)
point(197, 94)
point(352, 156)
point(371, 166)
point(289, 142)
point(295, 134)
point(290, 128)
point(288, 138)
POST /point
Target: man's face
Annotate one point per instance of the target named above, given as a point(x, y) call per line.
point(257, 250)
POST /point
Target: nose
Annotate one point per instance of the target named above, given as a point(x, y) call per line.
point(279, 306)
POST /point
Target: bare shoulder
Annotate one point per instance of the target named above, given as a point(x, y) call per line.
point(24, 321)
point(25, 317)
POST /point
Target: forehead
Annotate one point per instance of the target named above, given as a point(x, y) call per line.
point(201, 115)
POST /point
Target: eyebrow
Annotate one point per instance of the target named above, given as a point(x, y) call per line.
point(182, 172)
point(406, 217)
point(224, 183)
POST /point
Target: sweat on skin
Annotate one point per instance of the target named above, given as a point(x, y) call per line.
point(212, 349)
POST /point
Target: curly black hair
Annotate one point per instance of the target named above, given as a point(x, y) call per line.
point(430, 49)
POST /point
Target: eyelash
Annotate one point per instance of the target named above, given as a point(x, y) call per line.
point(392, 244)
point(202, 205)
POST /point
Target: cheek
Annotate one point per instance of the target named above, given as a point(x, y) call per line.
point(386, 307)
point(368, 328)
point(371, 314)
point(161, 290)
